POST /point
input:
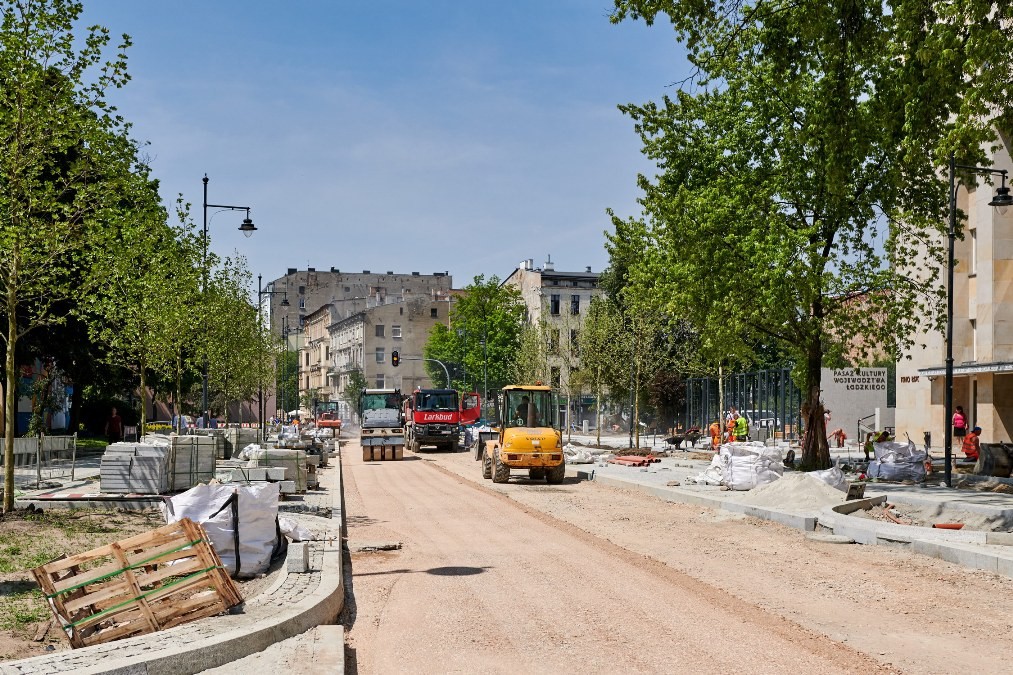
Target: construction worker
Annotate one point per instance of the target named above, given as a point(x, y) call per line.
point(730, 427)
point(715, 430)
point(972, 444)
point(741, 428)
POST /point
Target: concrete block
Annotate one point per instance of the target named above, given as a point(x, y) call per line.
point(1004, 566)
point(298, 559)
point(276, 473)
point(256, 474)
point(287, 487)
point(313, 460)
point(959, 554)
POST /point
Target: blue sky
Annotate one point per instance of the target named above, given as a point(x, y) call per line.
point(407, 136)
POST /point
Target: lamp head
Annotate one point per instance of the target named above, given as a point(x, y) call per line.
point(1002, 199)
point(284, 301)
point(247, 228)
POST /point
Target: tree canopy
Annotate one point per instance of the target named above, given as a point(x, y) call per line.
point(800, 170)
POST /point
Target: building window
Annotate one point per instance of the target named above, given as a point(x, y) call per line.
point(555, 377)
point(554, 341)
point(379, 330)
point(434, 313)
point(379, 354)
point(574, 342)
point(379, 382)
point(302, 303)
point(302, 289)
point(400, 310)
point(327, 352)
point(307, 358)
point(554, 305)
point(974, 339)
point(574, 304)
point(395, 331)
point(974, 251)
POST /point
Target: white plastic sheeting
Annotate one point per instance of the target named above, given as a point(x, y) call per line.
point(713, 474)
point(898, 462)
point(573, 454)
point(749, 465)
point(230, 512)
point(833, 477)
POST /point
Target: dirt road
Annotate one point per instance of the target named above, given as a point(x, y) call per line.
point(485, 583)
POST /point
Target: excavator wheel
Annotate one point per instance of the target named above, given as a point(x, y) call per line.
point(536, 474)
point(501, 472)
point(486, 465)
point(556, 474)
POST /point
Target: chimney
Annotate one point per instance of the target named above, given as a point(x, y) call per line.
point(291, 270)
point(548, 267)
point(588, 269)
point(311, 269)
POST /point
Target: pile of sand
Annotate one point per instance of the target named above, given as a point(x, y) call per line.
point(795, 492)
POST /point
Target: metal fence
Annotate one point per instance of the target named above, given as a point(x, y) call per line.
point(41, 458)
point(769, 398)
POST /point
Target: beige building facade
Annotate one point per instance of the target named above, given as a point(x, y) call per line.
point(561, 300)
point(982, 330)
point(366, 341)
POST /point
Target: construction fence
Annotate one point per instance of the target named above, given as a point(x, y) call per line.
point(38, 459)
point(769, 399)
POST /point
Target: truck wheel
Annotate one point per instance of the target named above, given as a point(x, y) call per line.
point(486, 465)
point(455, 446)
point(536, 474)
point(501, 472)
point(556, 474)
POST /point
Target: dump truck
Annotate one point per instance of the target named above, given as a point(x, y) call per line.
point(381, 430)
point(433, 417)
point(527, 436)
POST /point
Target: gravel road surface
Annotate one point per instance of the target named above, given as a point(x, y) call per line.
point(502, 580)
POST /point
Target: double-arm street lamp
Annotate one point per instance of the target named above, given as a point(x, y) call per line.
point(261, 408)
point(247, 228)
point(1002, 200)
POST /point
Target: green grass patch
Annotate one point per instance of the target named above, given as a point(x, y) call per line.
point(89, 446)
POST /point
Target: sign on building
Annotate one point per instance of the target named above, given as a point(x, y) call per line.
point(854, 394)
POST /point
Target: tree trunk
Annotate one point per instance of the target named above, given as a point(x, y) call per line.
point(815, 449)
point(597, 409)
point(636, 403)
point(178, 398)
point(144, 400)
point(10, 407)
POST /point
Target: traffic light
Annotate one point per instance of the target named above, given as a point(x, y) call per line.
point(395, 359)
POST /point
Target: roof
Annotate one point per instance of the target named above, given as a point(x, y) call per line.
point(527, 387)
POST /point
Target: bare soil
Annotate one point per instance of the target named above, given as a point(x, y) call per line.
point(927, 516)
point(528, 577)
point(28, 540)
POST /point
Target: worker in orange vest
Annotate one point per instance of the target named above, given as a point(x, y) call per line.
point(972, 444)
point(715, 430)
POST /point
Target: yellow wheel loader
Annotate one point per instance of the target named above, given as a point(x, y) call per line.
point(527, 436)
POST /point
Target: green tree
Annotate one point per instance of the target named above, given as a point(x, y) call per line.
point(63, 147)
point(485, 312)
point(800, 169)
point(600, 352)
point(353, 388)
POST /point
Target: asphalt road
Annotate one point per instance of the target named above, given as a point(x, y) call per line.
point(485, 583)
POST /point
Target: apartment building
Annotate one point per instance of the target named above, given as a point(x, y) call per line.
point(561, 299)
point(982, 329)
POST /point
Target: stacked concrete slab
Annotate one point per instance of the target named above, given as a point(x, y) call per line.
point(237, 439)
point(135, 468)
point(294, 461)
point(191, 461)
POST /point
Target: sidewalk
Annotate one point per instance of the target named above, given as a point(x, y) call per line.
point(293, 605)
point(991, 551)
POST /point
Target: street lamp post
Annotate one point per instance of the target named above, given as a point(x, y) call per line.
point(261, 409)
point(285, 332)
point(247, 228)
point(1002, 200)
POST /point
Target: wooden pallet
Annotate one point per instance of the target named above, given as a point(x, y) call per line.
point(142, 584)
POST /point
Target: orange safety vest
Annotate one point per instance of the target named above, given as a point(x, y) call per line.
point(971, 446)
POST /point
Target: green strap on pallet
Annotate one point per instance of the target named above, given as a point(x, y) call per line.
point(139, 597)
point(142, 563)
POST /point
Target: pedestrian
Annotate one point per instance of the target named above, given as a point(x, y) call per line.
point(730, 427)
point(114, 427)
point(972, 445)
point(839, 437)
point(959, 422)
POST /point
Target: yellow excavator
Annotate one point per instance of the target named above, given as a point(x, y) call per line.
point(527, 436)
